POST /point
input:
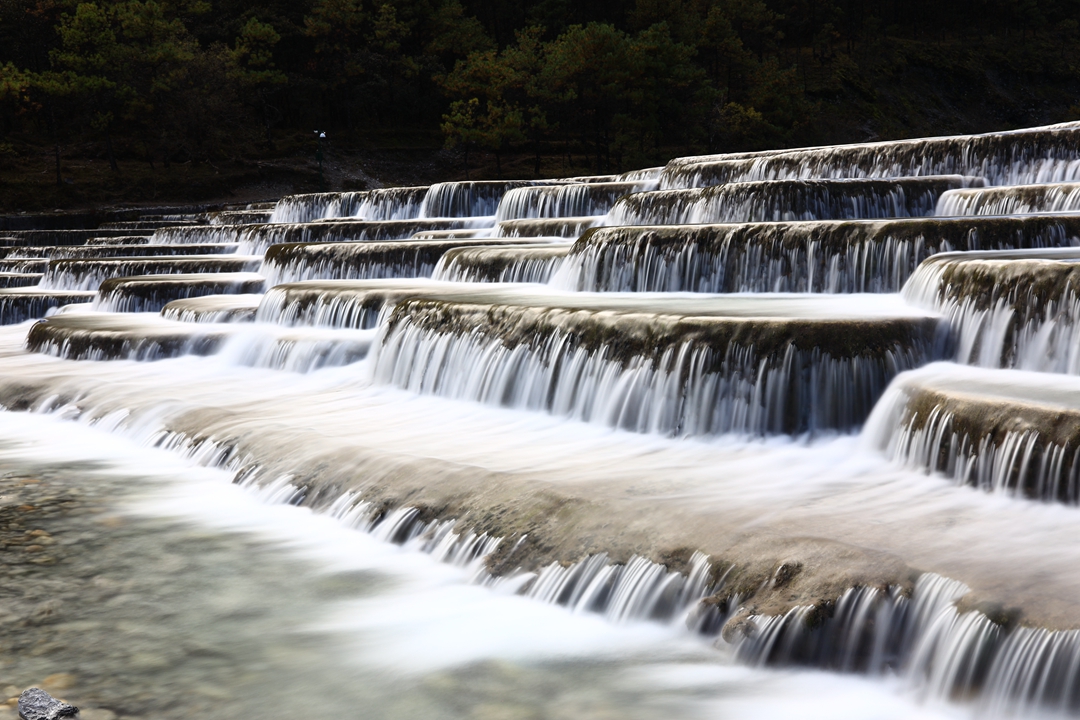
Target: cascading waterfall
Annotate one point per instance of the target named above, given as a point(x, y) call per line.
point(818, 256)
point(292, 262)
point(563, 201)
point(89, 274)
point(776, 200)
point(497, 264)
point(213, 309)
point(468, 199)
point(1011, 200)
point(400, 203)
point(661, 374)
point(1034, 155)
point(920, 632)
point(716, 308)
point(316, 206)
point(151, 293)
point(568, 227)
point(1017, 309)
point(998, 431)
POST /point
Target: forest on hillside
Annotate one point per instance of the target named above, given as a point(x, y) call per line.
point(609, 84)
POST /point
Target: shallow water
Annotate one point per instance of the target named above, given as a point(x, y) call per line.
point(168, 591)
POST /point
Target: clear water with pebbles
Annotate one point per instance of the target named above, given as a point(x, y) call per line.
point(173, 593)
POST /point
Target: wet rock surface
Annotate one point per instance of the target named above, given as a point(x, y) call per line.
point(36, 704)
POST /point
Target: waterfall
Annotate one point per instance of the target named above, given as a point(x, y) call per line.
point(662, 374)
point(775, 200)
point(213, 309)
point(814, 256)
point(497, 264)
point(564, 201)
point(568, 227)
point(1010, 200)
point(998, 431)
point(1034, 155)
point(153, 293)
point(819, 407)
point(1016, 309)
point(467, 199)
point(89, 274)
point(105, 336)
point(293, 262)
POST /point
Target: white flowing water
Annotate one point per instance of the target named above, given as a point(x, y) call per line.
point(611, 490)
point(252, 607)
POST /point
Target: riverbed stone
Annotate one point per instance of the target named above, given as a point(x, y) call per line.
point(36, 704)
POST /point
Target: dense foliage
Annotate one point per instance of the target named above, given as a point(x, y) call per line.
point(623, 82)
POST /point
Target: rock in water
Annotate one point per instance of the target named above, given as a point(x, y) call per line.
point(36, 704)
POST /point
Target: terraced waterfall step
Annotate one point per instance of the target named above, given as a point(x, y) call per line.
point(530, 263)
point(575, 492)
point(19, 279)
point(400, 203)
point(1002, 431)
point(1014, 309)
point(151, 293)
point(820, 405)
point(1011, 200)
point(774, 200)
point(256, 239)
point(60, 237)
point(291, 262)
point(694, 366)
point(1042, 154)
point(24, 265)
point(28, 303)
point(213, 309)
point(836, 256)
point(148, 337)
point(571, 200)
point(88, 274)
point(105, 251)
point(566, 227)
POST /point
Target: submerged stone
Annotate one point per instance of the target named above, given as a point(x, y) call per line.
point(36, 704)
